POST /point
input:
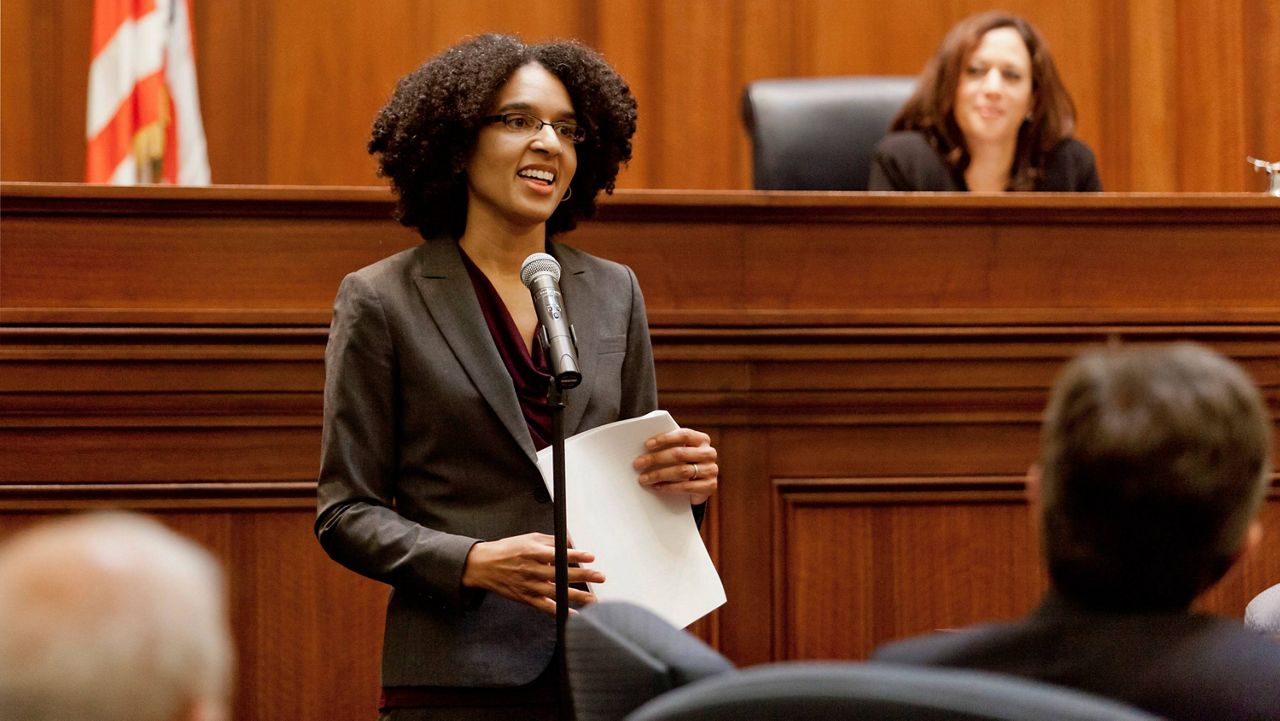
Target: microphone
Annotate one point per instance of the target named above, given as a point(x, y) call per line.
point(540, 273)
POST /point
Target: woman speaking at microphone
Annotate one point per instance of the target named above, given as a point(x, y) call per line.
point(436, 379)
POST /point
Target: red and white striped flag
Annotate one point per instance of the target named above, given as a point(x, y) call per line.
point(144, 109)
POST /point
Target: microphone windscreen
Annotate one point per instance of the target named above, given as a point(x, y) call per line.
point(537, 264)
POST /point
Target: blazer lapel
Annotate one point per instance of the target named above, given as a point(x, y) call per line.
point(446, 289)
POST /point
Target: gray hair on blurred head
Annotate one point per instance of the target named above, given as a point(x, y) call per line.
point(111, 617)
point(1263, 612)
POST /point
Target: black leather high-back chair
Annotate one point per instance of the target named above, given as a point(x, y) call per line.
point(876, 692)
point(619, 656)
point(818, 133)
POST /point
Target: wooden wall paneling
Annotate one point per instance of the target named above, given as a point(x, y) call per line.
point(448, 22)
point(134, 451)
point(83, 408)
point(978, 548)
point(1051, 268)
point(916, 376)
point(1171, 94)
point(1211, 107)
point(853, 390)
point(867, 560)
point(64, 85)
point(19, 143)
point(1262, 76)
point(769, 39)
point(182, 275)
point(1039, 259)
point(862, 38)
point(696, 118)
point(317, 69)
point(1255, 572)
point(324, 622)
point(46, 57)
point(768, 45)
point(746, 530)
point(826, 586)
point(628, 35)
point(775, 270)
point(234, 42)
point(714, 253)
point(195, 265)
point(325, 90)
point(1150, 83)
point(906, 447)
point(1113, 97)
point(830, 38)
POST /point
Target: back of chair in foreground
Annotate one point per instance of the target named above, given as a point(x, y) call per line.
point(620, 656)
point(873, 691)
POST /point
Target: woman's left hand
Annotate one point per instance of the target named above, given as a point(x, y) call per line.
point(680, 461)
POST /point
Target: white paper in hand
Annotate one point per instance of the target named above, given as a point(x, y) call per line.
point(646, 543)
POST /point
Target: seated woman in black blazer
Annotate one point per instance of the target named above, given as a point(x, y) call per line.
point(989, 114)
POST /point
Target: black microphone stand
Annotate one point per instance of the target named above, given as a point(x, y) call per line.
point(560, 510)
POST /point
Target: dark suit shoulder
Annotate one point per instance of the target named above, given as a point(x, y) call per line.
point(902, 143)
point(1070, 167)
point(946, 648)
point(904, 160)
point(1177, 665)
point(1073, 150)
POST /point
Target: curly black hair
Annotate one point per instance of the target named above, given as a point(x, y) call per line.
point(426, 132)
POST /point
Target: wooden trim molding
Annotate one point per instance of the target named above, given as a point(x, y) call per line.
point(801, 569)
point(210, 497)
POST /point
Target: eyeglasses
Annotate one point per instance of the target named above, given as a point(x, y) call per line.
point(526, 124)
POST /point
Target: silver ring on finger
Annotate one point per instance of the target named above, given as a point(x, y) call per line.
point(694, 477)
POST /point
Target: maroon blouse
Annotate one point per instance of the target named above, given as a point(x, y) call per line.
point(531, 375)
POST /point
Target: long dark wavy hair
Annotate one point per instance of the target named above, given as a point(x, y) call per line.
point(427, 130)
point(931, 109)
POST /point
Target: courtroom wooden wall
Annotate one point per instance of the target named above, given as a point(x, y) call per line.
point(871, 369)
point(1172, 94)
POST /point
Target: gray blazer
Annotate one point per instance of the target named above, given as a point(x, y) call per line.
point(426, 452)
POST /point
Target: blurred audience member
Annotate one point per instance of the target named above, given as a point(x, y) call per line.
point(111, 617)
point(1263, 612)
point(1153, 465)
